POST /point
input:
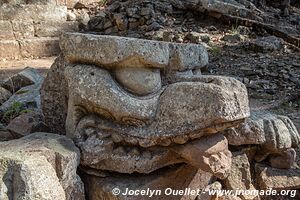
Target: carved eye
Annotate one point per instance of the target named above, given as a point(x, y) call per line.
point(140, 81)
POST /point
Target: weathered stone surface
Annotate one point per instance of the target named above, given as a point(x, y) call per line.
point(275, 134)
point(4, 95)
point(140, 81)
point(232, 38)
point(33, 12)
point(101, 188)
point(179, 105)
point(115, 52)
point(28, 96)
point(9, 49)
point(284, 160)
point(54, 97)
point(23, 29)
point(6, 31)
point(210, 154)
point(40, 166)
point(240, 176)
point(5, 135)
point(53, 29)
point(18, 2)
point(266, 44)
point(26, 124)
point(249, 132)
point(278, 179)
point(206, 196)
point(39, 47)
point(28, 76)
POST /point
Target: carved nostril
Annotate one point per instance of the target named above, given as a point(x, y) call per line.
point(140, 81)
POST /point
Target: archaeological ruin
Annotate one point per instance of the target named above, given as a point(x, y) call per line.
point(163, 100)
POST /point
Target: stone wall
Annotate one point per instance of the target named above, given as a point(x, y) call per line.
point(32, 28)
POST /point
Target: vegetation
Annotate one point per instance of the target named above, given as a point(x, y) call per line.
point(16, 109)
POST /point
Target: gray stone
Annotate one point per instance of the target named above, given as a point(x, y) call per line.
point(140, 81)
point(28, 76)
point(5, 135)
point(118, 52)
point(4, 95)
point(28, 97)
point(54, 97)
point(23, 29)
point(54, 29)
point(210, 154)
point(6, 31)
point(240, 175)
point(277, 179)
point(232, 38)
point(26, 124)
point(40, 166)
point(206, 196)
point(101, 188)
point(266, 44)
point(275, 134)
point(33, 12)
point(179, 112)
point(284, 160)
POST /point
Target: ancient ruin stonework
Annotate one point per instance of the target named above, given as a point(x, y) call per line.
point(141, 106)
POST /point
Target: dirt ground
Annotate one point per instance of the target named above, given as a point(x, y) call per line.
point(8, 68)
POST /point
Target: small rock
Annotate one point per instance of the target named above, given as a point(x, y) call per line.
point(232, 38)
point(4, 95)
point(84, 18)
point(267, 44)
point(26, 124)
point(121, 21)
point(71, 16)
point(243, 30)
point(28, 76)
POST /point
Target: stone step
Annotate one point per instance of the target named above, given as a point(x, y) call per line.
point(33, 12)
point(27, 48)
point(11, 30)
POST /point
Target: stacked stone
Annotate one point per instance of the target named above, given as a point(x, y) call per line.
point(142, 114)
point(32, 29)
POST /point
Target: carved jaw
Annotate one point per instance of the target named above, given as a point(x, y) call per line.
point(103, 148)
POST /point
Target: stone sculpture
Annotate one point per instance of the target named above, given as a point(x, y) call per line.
point(140, 111)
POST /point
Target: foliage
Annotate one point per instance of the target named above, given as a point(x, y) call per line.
point(14, 111)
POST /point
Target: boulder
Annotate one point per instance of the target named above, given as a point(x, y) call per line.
point(4, 95)
point(24, 100)
point(240, 175)
point(99, 188)
point(27, 123)
point(40, 166)
point(26, 77)
point(278, 179)
point(54, 97)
